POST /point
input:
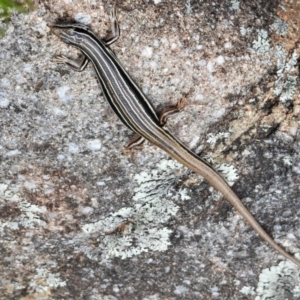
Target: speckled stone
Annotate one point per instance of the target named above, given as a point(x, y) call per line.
point(62, 173)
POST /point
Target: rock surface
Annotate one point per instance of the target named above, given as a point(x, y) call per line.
point(78, 220)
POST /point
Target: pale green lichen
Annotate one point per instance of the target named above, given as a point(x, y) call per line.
point(30, 213)
point(235, 4)
point(189, 8)
point(280, 26)
point(228, 172)
point(280, 56)
point(248, 290)
point(286, 89)
point(279, 282)
point(286, 82)
point(44, 280)
point(213, 138)
point(287, 160)
point(285, 85)
point(262, 45)
point(244, 31)
point(133, 230)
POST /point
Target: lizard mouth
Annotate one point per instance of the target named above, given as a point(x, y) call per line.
point(65, 32)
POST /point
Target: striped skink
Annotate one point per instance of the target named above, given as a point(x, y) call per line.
point(137, 113)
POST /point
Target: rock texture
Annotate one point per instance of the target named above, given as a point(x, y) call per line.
point(78, 220)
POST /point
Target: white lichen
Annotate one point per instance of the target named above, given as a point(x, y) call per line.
point(280, 26)
point(147, 52)
point(244, 31)
point(133, 230)
point(6, 194)
point(286, 89)
point(29, 216)
point(63, 93)
point(188, 7)
point(213, 138)
point(279, 282)
point(235, 4)
point(94, 145)
point(228, 172)
point(287, 161)
point(180, 290)
point(262, 45)
point(248, 290)
point(285, 85)
point(228, 45)
point(280, 55)
point(4, 103)
point(289, 66)
point(12, 153)
point(73, 148)
point(210, 67)
point(44, 280)
point(220, 60)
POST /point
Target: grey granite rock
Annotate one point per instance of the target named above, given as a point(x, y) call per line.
point(78, 220)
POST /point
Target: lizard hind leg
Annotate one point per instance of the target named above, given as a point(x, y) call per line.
point(114, 34)
point(166, 113)
point(135, 143)
point(75, 65)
